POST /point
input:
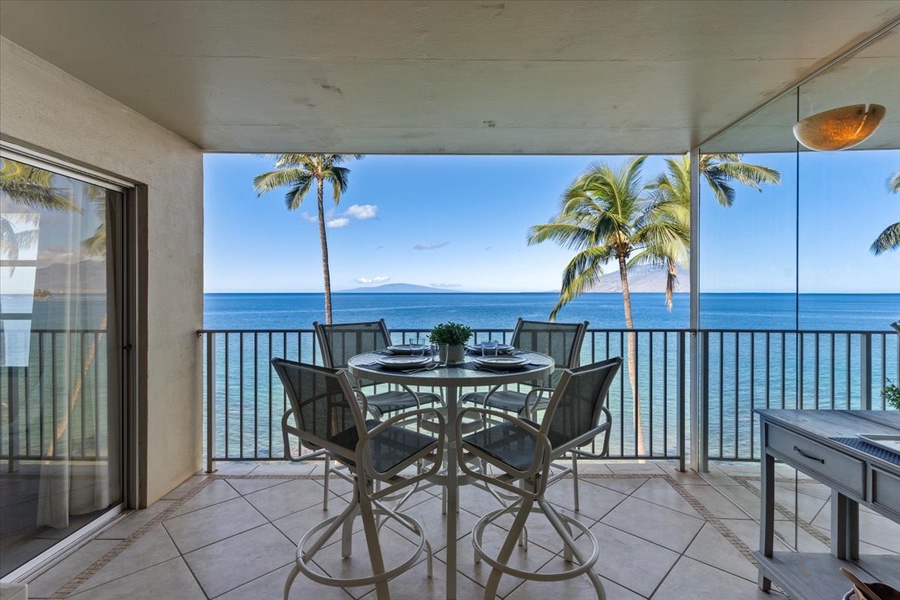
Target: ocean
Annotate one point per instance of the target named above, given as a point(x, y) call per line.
point(830, 312)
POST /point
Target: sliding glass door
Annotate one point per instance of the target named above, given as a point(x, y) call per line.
point(61, 420)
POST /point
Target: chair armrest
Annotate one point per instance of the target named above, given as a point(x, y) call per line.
point(288, 429)
point(362, 399)
point(584, 438)
point(537, 393)
point(542, 453)
point(605, 426)
point(416, 395)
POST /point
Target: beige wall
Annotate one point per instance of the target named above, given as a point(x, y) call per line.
point(46, 108)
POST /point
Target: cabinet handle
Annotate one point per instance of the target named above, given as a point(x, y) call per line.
point(809, 456)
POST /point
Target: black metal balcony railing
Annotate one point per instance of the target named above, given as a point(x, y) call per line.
point(244, 403)
point(737, 372)
point(56, 408)
point(65, 388)
point(743, 370)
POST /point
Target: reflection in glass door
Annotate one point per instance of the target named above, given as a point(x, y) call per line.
point(60, 411)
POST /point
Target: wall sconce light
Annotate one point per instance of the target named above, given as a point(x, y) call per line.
point(839, 128)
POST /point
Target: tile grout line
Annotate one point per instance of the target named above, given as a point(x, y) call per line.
point(807, 527)
point(75, 582)
point(701, 509)
point(186, 564)
point(69, 587)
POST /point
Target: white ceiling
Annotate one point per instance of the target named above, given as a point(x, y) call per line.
point(484, 76)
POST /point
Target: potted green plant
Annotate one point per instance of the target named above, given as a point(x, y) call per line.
point(451, 339)
point(891, 394)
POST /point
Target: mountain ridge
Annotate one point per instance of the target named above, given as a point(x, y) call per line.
point(398, 288)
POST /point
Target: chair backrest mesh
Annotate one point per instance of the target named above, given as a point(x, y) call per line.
point(319, 397)
point(561, 341)
point(576, 405)
point(340, 342)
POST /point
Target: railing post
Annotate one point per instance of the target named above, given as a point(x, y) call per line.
point(682, 372)
point(12, 381)
point(865, 371)
point(210, 401)
point(703, 406)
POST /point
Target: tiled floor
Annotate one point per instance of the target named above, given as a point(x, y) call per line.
point(664, 534)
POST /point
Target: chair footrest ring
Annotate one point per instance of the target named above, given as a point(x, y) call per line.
point(303, 561)
point(478, 533)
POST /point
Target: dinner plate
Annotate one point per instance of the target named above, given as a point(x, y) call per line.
point(406, 348)
point(500, 347)
point(403, 362)
point(501, 362)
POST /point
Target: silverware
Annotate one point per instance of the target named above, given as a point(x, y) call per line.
point(428, 368)
point(480, 368)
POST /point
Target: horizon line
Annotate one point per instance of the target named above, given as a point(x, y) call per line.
point(440, 291)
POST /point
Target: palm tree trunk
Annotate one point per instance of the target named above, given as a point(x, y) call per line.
point(632, 355)
point(670, 282)
point(326, 275)
point(62, 426)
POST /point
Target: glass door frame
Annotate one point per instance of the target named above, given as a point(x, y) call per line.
point(126, 295)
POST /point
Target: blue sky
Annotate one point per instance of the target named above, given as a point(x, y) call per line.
point(461, 222)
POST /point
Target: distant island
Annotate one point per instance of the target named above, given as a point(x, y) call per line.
point(398, 288)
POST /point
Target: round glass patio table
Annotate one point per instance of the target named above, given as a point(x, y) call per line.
point(451, 378)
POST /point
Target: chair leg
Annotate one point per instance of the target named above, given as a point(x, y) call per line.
point(327, 478)
point(566, 534)
point(347, 536)
point(515, 531)
point(371, 529)
point(575, 478)
point(290, 580)
point(523, 539)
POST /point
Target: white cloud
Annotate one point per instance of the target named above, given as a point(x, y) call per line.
point(446, 285)
point(429, 245)
point(368, 280)
point(362, 211)
point(308, 217)
point(337, 223)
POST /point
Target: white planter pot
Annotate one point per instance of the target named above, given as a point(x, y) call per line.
point(452, 354)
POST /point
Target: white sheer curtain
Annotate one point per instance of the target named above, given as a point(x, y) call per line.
point(79, 468)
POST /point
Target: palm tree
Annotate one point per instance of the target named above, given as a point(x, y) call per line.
point(606, 216)
point(33, 188)
point(673, 197)
point(890, 237)
point(719, 170)
point(299, 171)
point(673, 188)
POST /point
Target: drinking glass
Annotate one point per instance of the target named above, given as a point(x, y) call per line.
point(489, 348)
point(415, 345)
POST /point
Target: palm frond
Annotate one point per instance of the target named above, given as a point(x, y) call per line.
point(95, 245)
point(894, 183)
point(339, 178)
point(272, 180)
point(34, 188)
point(294, 198)
point(889, 239)
point(572, 236)
point(581, 273)
point(720, 169)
